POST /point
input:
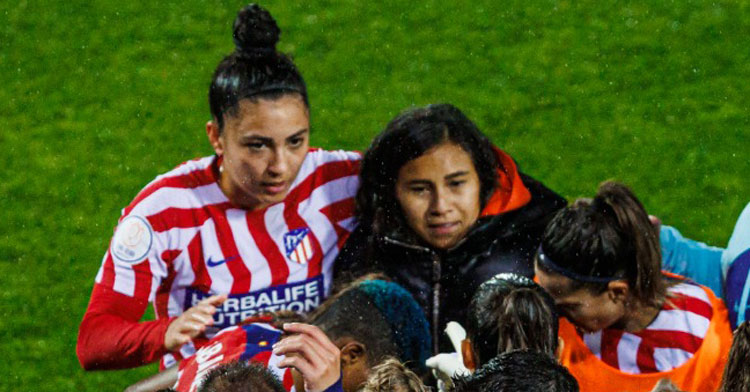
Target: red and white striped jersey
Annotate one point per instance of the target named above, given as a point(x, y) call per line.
point(182, 240)
point(668, 342)
point(251, 343)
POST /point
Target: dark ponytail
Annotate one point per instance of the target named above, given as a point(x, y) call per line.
point(511, 312)
point(255, 69)
point(610, 237)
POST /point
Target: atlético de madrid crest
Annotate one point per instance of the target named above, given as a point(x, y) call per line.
point(297, 245)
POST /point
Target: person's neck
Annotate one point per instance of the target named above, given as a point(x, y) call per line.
point(639, 316)
point(236, 198)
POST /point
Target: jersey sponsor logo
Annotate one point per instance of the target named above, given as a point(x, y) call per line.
point(214, 263)
point(297, 245)
point(132, 240)
point(301, 296)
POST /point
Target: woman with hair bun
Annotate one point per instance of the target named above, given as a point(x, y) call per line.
point(630, 324)
point(254, 227)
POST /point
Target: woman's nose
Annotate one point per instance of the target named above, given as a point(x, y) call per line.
point(440, 203)
point(278, 165)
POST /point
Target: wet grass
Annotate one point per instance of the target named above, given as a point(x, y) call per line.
point(99, 97)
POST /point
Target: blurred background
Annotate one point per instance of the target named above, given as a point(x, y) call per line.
point(99, 97)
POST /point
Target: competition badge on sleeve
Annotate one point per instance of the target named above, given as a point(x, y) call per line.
point(132, 240)
point(297, 245)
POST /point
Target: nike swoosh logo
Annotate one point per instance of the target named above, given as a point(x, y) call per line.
point(212, 263)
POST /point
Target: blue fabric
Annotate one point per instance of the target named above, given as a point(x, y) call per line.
point(258, 339)
point(336, 387)
point(739, 241)
point(738, 289)
point(692, 259)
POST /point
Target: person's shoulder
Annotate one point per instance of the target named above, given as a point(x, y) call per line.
point(323, 166)
point(321, 156)
point(186, 186)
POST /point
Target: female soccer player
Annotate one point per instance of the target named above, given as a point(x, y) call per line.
point(253, 228)
point(631, 325)
point(441, 210)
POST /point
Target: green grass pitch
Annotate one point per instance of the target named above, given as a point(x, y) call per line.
point(99, 97)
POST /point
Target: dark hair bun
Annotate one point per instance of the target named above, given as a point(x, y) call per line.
point(255, 30)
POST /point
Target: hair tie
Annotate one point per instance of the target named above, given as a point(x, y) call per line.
point(551, 265)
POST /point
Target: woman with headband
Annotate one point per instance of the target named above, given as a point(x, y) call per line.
point(632, 325)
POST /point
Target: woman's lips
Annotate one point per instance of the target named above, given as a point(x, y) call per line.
point(442, 228)
point(274, 187)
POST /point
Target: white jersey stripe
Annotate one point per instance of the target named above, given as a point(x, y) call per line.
point(100, 273)
point(594, 343)
point(691, 290)
point(184, 274)
point(627, 351)
point(166, 197)
point(124, 278)
point(273, 366)
point(665, 358)
point(260, 274)
point(221, 278)
point(349, 224)
point(315, 159)
point(307, 248)
point(680, 321)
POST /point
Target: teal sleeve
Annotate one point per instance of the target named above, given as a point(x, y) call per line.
point(691, 259)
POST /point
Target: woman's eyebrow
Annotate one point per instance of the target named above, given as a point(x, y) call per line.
point(255, 138)
point(456, 174)
point(298, 134)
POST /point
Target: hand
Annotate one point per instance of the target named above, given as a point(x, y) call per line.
point(192, 323)
point(310, 352)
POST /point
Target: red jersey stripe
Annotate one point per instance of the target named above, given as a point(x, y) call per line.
point(161, 301)
point(690, 304)
point(184, 218)
point(276, 261)
point(143, 279)
point(610, 341)
point(337, 212)
point(241, 282)
point(195, 252)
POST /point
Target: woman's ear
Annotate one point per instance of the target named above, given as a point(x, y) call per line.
point(618, 291)
point(354, 366)
point(467, 352)
point(352, 353)
point(214, 137)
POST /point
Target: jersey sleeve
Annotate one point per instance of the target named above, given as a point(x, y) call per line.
point(111, 335)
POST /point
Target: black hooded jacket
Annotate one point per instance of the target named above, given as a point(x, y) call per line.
point(443, 281)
